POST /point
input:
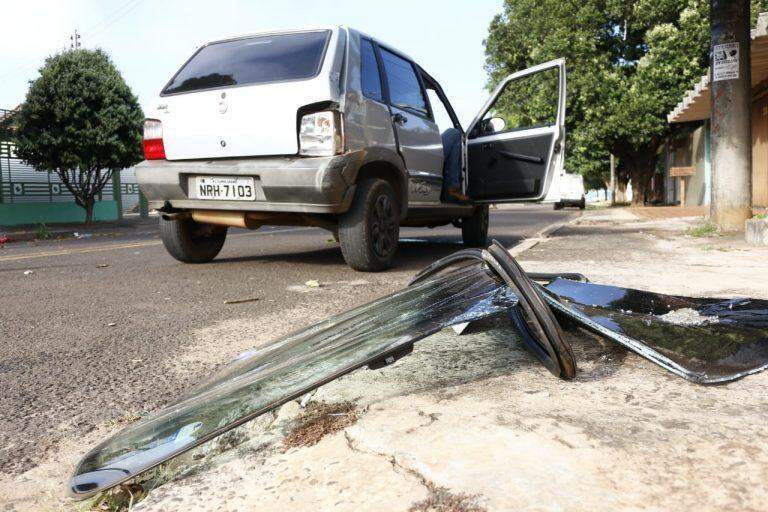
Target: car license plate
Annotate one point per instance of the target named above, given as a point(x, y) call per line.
point(228, 188)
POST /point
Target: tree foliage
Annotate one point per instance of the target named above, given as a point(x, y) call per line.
point(6, 126)
point(629, 63)
point(81, 120)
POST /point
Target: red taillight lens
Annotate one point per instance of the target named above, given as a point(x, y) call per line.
point(153, 140)
point(154, 149)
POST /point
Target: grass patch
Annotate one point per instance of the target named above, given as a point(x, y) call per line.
point(761, 216)
point(702, 230)
point(441, 499)
point(320, 419)
point(42, 232)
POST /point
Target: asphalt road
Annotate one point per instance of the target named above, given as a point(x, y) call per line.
point(103, 329)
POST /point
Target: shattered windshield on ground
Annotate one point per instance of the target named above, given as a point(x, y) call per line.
point(703, 340)
point(291, 366)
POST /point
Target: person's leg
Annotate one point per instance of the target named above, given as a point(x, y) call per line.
point(452, 165)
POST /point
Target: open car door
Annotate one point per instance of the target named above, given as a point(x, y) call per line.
point(515, 145)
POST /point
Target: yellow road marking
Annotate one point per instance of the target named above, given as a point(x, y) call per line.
point(114, 247)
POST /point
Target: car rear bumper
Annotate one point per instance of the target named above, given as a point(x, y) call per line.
point(284, 184)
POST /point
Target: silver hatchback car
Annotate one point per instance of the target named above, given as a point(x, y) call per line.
point(332, 128)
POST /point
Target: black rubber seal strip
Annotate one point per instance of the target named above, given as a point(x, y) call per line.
point(538, 327)
point(535, 313)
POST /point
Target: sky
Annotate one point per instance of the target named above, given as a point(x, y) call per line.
point(148, 40)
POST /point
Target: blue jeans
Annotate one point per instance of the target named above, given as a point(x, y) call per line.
point(451, 158)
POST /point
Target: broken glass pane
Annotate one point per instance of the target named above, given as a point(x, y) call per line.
point(291, 366)
point(703, 340)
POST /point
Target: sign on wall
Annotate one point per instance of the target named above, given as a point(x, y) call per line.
point(677, 172)
point(725, 62)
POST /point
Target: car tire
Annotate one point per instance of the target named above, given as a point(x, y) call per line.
point(558, 206)
point(583, 203)
point(369, 230)
point(191, 242)
point(474, 229)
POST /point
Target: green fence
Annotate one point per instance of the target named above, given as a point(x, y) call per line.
point(28, 196)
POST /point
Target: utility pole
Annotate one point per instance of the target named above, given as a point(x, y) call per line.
point(74, 41)
point(731, 138)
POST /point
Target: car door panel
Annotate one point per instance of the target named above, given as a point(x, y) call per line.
point(517, 164)
point(418, 137)
point(419, 141)
point(508, 168)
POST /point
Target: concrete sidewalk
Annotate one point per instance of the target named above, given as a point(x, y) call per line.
point(475, 423)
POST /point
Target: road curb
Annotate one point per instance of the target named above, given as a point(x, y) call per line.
point(541, 236)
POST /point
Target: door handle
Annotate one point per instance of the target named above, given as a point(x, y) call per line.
point(487, 146)
point(399, 118)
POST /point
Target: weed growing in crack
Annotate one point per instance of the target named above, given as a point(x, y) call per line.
point(441, 499)
point(320, 419)
point(117, 499)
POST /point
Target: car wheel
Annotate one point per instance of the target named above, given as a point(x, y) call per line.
point(369, 231)
point(191, 242)
point(583, 203)
point(474, 229)
point(558, 206)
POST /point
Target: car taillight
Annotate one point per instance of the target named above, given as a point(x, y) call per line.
point(153, 140)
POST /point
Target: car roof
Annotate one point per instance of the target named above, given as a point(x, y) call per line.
point(272, 32)
point(333, 28)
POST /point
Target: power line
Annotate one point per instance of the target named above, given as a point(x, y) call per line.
point(93, 32)
point(116, 16)
point(106, 19)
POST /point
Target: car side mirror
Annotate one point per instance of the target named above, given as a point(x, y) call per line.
point(488, 127)
point(496, 125)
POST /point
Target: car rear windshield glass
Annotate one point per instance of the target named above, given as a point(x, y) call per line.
point(254, 60)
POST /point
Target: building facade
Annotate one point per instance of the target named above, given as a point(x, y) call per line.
point(688, 160)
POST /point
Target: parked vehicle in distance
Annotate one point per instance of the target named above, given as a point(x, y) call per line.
point(329, 127)
point(567, 190)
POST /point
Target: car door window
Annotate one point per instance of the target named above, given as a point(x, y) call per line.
point(529, 102)
point(515, 144)
point(440, 112)
point(370, 78)
point(404, 86)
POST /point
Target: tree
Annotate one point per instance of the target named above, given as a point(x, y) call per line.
point(81, 120)
point(629, 63)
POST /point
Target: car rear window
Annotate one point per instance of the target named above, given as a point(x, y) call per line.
point(253, 60)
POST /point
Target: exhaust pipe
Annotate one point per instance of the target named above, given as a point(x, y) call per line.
point(254, 220)
point(225, 218)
